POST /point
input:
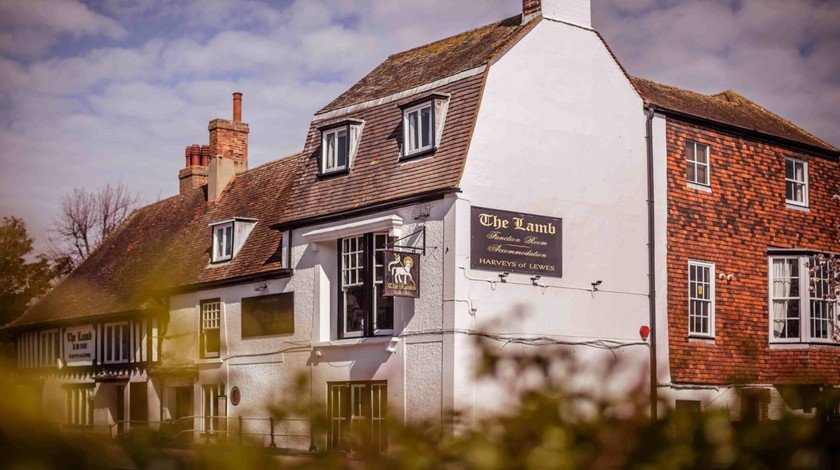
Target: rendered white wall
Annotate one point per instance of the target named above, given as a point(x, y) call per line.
point(578, 12)
point(560, 133)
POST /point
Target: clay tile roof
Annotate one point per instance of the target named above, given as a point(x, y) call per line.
point(434, 61)
point(729, 108)
point(166, 245)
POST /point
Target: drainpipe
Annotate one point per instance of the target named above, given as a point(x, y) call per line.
point(649, 112)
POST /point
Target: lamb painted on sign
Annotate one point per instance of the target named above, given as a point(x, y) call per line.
point(401, 270)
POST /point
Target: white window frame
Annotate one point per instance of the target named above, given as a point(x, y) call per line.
point(49, 348)
point(805, 313)
point(408, 149)
point(693, 298)
point(224, 251)
point(697, 163)
point(803, 182)
point(210, 318)
point(116, 333)
point(327, 157)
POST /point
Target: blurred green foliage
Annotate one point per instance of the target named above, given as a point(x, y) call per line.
point(548, 426)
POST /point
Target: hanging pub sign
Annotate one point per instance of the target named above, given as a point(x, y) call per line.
point(79, 345)
point(402, 274)
point(516, 242)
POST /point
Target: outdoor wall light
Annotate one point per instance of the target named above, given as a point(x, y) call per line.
point(536, 279)
point(392, 345)
point(596, 284)
point(503, 276)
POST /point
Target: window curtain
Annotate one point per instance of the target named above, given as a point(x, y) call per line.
point(782, 273)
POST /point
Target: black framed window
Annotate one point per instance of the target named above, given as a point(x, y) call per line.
point(363, 310)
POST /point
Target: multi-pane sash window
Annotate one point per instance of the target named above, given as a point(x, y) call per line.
point(49, 350)
point(821, 304)
point(78, 409)
point(701, 305)
point(796, 182)
point(697, 163)
point(211, 314)
point(419, 128)
point(364, 311)
point(799, 308)
point(357, 413)
point(116, 342)
point(222, 242)
point(335, 149)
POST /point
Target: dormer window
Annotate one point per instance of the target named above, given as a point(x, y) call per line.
point(228, 238)
point(423, 121)
point(223, 242)
point(338, 145)
point(418, 128)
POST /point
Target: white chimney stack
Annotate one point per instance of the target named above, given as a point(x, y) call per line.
point(576, 12)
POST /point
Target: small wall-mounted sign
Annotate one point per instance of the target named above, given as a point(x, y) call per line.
point(235, 396)
point(79, 345)
point(401, 274)
point(516, 242)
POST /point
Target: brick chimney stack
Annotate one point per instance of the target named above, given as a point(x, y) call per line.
point(194, 173)
point(576, 12)
point(228, 150)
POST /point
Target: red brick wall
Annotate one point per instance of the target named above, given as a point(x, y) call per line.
point(229, 139)
point(733, 226)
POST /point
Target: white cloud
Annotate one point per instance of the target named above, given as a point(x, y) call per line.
point(31, 27)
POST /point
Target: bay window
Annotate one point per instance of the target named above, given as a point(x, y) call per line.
point(363, 310)
point(799, 308)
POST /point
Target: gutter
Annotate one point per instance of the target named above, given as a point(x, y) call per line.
point(649, 112)
point(368, 209)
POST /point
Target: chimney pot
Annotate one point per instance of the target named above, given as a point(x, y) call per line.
point(205, 155)
point(195, 155)
point(187, 156)
point(237, 106)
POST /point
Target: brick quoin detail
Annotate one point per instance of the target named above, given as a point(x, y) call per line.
point(733, 226)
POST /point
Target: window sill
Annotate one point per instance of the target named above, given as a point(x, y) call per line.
point(812, 345)
point(702, 339)
point(334, 173)
point(209, 361)
point(419, 154)
point(797, 207)
point(338, 343)
point(699, 187)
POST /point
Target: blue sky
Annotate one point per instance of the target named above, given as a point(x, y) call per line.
point(113, 90)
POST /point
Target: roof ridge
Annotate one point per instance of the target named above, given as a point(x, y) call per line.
point(449, 38)
point(749, 102)
point(741, 102)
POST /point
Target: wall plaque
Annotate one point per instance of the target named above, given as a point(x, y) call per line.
point(79, 345)
point(402, 274)
point(516, 242)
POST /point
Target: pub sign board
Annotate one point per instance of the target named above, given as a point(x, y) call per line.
point(516, 242)
point(401, 274)
point(79, 345)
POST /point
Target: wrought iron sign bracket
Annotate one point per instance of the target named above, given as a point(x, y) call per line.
point(412, 249)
